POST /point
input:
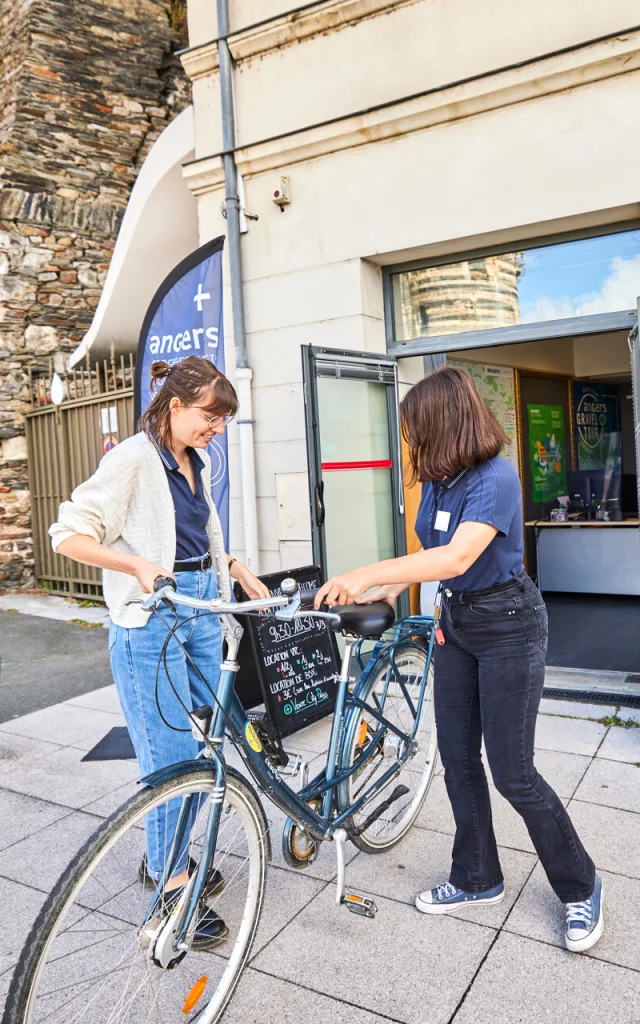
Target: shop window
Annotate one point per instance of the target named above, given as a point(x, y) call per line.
point(569, 279)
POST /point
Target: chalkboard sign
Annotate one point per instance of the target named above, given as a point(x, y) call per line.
point(291, 667)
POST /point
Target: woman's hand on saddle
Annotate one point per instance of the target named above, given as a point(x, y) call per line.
point(344, 589)
point(389, 593)
point(252, 586)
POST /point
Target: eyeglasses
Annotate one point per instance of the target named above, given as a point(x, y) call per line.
point(211, 420)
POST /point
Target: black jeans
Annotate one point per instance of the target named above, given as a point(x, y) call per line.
point(488, 682)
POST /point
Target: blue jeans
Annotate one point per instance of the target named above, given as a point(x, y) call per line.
point(488, 682)
point(134, 662)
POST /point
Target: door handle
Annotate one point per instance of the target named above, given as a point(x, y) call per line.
point(319, 501)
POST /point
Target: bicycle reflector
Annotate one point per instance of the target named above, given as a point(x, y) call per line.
point(195, 994)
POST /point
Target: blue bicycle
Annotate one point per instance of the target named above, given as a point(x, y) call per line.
point(113, 946)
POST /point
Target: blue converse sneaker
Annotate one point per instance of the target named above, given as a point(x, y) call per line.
point(585, 921)
point(445, 898)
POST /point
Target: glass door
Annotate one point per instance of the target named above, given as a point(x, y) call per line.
point(354, 458)
point(634, 346)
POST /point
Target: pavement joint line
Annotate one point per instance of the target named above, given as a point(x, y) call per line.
point(599, 747)
point(495, 939)
point(592, 956)
point(286, 925)
point(53, 803)
point(328, 995)
point(591, 803)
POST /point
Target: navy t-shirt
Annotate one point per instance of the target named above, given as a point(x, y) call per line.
point(191, 510)
point(489, 493)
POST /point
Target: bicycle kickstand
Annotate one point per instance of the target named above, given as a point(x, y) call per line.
point(356, 902)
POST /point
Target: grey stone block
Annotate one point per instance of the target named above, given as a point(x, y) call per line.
point(105, 699)
point(572, 736)
point(422, 860)
point(20, 906)
point(109, 803)
point(39, 860)
point(622, 744)
point(287, 893)
point(18, 751)
point(263, 999)
point(562, 771)
point(63, 778)
point(539, 914)
point(347, 957)
point(526, 982)
point(23, 816)
point(612, 783)
point(611, 836)
point(572, 709)
point(64, 724)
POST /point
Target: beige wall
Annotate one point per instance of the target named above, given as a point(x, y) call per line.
point(598, 355)
point(544, 147)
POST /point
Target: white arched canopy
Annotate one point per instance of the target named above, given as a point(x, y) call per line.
point(159, 228)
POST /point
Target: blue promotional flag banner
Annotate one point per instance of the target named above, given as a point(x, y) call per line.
point(185, 319)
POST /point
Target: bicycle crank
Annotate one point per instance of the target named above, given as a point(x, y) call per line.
point(356, 902)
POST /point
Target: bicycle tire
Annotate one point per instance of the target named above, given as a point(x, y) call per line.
point(20, 1000)
point(369, 841)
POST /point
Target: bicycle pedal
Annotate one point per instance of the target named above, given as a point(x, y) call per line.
point(359, 904)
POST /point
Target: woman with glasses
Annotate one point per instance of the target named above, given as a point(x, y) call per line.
point(146, 513)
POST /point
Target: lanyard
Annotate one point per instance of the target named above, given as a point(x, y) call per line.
point(437, 609)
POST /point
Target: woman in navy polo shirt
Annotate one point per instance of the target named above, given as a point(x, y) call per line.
point(489, 673)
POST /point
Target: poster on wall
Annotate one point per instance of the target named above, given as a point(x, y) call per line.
point(596, 426)
point(548, 452)
point(497, 388)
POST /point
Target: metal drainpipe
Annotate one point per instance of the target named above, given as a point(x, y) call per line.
point(243, 371)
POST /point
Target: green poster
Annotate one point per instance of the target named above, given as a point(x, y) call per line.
point(548, 452)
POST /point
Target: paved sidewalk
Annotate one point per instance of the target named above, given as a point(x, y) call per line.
point(498, 965)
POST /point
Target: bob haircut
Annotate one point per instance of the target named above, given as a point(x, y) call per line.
point(447, 426)
point(195, 381)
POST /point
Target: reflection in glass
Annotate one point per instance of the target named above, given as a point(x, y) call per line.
point(553, 282)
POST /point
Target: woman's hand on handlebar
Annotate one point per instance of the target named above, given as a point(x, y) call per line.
point(147, 573)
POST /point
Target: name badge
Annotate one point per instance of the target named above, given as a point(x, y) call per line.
point(442, 520)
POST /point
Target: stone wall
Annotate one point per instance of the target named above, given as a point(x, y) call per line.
point(86, 89)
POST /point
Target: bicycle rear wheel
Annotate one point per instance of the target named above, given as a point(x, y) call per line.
point(384, 692)
point(88, 960)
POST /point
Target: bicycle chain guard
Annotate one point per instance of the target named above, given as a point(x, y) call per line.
point(299, 849)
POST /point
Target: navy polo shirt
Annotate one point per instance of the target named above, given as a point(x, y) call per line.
point(191, 510)
point(489, 493)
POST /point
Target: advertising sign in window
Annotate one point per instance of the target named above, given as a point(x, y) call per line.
point(548, 452)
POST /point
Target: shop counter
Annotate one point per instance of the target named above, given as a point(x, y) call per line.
point(588, 556)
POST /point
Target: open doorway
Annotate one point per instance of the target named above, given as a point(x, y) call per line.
point(567, 404)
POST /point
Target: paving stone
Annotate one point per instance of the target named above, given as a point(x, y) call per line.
point(422, 860)
point(40, 859)
point(526, 982)
point(573, 736)
point(20, 906)
point(262, 999)
point(104, 699)
point(63, 724)
point(612, 783)
point(18, 751)
point(622, 744)
point(611, 836)
point(109, 803)
point(573, 709)
point(539, 914)
point(287, 893)
point(63, 778)
point(562, 771)
point(22, 816)
point(324, 948)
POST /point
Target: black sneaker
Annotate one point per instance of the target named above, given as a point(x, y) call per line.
point(210, 929)
point(213, 885)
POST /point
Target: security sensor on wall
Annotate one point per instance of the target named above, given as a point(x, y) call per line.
point(282, 193)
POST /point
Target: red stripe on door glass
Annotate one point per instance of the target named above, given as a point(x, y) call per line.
point(330, 467)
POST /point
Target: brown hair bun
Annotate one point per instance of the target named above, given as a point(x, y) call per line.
point(159, 370)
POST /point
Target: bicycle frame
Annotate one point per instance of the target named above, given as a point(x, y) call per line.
point(229, 716)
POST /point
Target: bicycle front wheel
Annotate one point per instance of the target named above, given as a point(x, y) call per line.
point(393, 689)
point(92, 959)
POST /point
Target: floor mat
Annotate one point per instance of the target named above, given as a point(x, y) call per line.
point(594, 632)
point(115, 746)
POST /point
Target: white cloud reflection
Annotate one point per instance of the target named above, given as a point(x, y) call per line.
point(619, 290)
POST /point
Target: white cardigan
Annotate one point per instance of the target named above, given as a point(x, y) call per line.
point(127, 506)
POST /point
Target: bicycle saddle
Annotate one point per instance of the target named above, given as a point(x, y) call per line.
point(364, 619)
